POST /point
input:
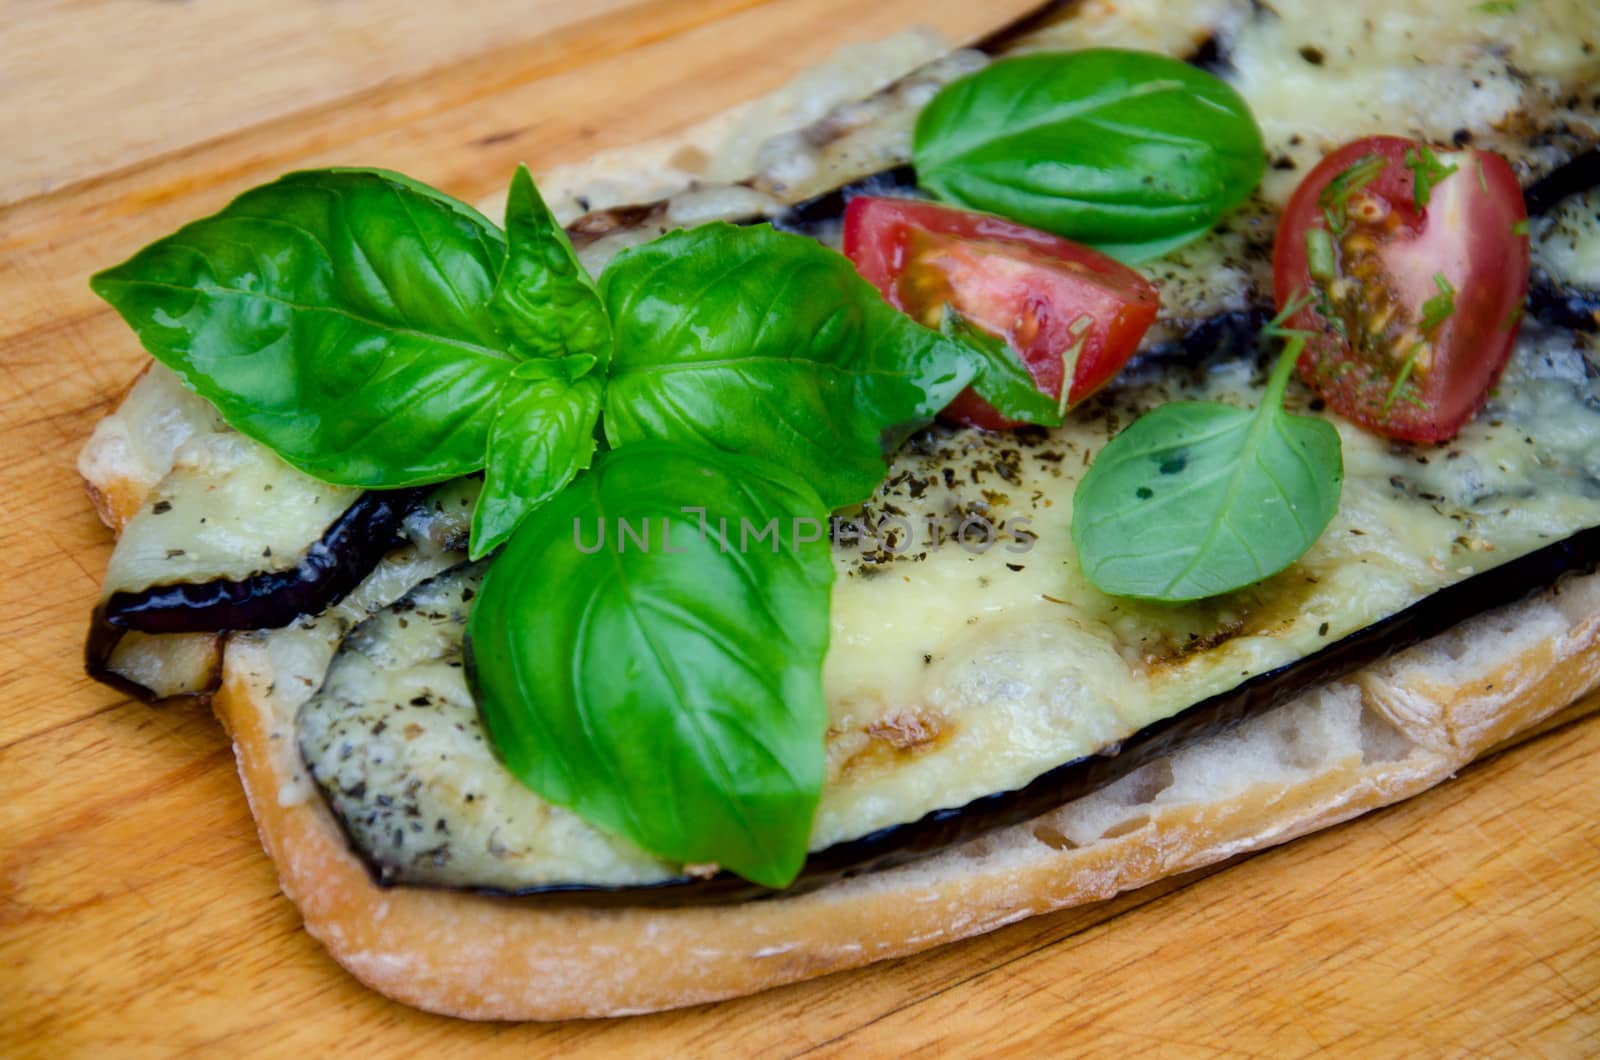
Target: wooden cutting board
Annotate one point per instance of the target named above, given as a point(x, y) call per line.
point(137, 911)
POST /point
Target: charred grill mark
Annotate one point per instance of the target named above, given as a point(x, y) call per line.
point(1267, 609)
point(1212, 57)
point(1573, 308)
point(1026, 25)
point(906, 730)
point(885, 743)
point(1168, 655)
point(808, 218)
point(1578, 174)
point(601, 223)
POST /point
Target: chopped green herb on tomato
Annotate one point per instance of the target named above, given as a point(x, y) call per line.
point(1415, 264)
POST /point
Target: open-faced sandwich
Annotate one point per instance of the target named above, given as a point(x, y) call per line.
point(1159, 432)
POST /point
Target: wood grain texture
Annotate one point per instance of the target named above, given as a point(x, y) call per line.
point(202, 69)
point(137, 911)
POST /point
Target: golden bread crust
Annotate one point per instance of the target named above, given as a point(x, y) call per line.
point(497, 958)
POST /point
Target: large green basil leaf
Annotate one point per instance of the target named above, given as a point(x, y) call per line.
point(338, 317)
point(755, 341)
point(1129, 151)
point(1199, 498)
point(641, 657)
point(543, 435)
point(545, 300)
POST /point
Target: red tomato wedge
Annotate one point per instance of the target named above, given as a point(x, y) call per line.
point(1416, 264)
point(1056, 303)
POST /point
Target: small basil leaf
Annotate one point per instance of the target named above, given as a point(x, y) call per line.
point(543, 435)
point(1118, 149)
point(545, 301)
point(336, 316)
point(754, 341)
point(1003, 380)
point(1198, 498)
point(660, 675)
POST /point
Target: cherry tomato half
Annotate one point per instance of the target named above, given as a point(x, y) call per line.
point(1415, 261)
point(1055, 302)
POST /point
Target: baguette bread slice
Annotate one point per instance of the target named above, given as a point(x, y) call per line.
point(1379, 735)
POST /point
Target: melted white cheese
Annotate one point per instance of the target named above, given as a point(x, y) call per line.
point(1567, 241)
point(226, 508)
point(954, 675)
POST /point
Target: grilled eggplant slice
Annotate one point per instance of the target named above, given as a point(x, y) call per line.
point(972, 690)
point(392, 738)
point(395, 698)
point(232, 539)
point(223, 509)
point(1565, 234)
point(154, 667)
point(329, 567)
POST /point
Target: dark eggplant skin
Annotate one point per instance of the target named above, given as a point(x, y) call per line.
point(1215, 338)
point(330, 568)
point(1577, 175)
point(816, 215)
point(1563, 305)
point(1573, 308)
point(903, 843)
point(334, 564)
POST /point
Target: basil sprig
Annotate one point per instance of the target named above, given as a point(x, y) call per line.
point(375, 332)
point(1130, 152)
point(637, 658)
point(1198, 498)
